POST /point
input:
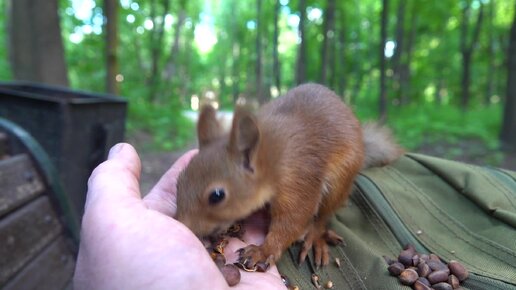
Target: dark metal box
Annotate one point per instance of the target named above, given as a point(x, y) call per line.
point(76, 129)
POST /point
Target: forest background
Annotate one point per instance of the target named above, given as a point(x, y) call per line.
point(441, 74)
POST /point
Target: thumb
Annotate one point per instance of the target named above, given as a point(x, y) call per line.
point(117, 178)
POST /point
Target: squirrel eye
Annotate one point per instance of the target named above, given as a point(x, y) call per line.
point(216, 196)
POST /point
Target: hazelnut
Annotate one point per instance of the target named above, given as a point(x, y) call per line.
point(405, 257)
point(396, 268)
point(219, 259)
point(442, 286)
point(437, 276)
point(458, 270)
point(418, 285)
point(423, 269)
point(453, 281)
point(415, 260)
point(434, 257)
point(408, 277)
point(231, 274)
point(424, 281)
point(387, 260)
point(437, 265)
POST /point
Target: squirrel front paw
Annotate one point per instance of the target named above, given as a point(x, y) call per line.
point(319, 243)
point(252, 258)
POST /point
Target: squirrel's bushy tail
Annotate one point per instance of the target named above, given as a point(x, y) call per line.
point(380, 146)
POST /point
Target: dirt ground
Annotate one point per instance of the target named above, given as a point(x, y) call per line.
point(155, 163)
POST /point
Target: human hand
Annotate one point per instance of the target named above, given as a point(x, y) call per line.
point(132, 243)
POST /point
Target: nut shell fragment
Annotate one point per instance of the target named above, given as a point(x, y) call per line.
point(337, 262)
point(315, 281)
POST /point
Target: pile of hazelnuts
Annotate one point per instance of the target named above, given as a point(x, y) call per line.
point(425, 272)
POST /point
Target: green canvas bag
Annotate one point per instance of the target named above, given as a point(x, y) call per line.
point(455, 210)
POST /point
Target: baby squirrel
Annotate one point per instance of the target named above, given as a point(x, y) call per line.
point(299, 155)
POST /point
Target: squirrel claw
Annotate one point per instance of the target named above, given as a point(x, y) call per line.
point(251, 258)
point(333, 238)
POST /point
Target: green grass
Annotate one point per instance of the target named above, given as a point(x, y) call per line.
point(414, 125)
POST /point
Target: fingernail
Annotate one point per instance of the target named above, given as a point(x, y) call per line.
point(115, 150)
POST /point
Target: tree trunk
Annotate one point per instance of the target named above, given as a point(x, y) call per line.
point(111, 16)
point(504, 42)
point(383, 77)
point(405, 70)
point(332, 61)
point(337, 57)
point(439, 87)
point(36, 50)
point(508, 133)
point(491, 69)
point(153, 51)
point(276, 68)
point(357, 87)
point(222, 78)
point(465, 79)
point(356, 69)
point(156, 47)
point(339, 70)
point(301, 54)
point(260, 92)
point(185, 88)
point(467, 50)
point(400, 45)
point(236, 69)
point(328, 31)
point(171, 65)
point(139, 55)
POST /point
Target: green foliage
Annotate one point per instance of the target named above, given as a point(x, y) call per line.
point(5, 72)
point(426, 124)
point(423, 122)
point(168, 128)
point(228, 67)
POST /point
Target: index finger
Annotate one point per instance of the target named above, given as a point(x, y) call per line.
point(162, 197)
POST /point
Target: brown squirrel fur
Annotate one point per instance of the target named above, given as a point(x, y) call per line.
point(299, 155)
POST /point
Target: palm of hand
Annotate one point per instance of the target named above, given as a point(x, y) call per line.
point(132, 243)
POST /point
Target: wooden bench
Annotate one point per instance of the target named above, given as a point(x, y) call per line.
point(38, 236)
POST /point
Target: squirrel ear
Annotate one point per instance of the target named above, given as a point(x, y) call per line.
point(244, 135)
point(208, 128)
